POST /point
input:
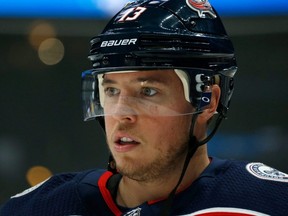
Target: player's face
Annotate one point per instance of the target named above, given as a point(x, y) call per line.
point(146, 144)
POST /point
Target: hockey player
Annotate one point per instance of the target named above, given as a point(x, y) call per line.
point(162, 74)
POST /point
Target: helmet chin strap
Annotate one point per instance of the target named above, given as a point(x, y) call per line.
point(193, 145)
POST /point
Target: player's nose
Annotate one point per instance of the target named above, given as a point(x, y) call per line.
point(125, 109)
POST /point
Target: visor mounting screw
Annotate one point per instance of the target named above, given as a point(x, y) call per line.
point(129, 60)
point(105, 61)
point(192, 23)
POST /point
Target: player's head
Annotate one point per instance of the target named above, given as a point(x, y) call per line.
point(186, 36)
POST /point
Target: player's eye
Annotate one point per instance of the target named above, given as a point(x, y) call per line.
point(110, 91)
point(148, 91)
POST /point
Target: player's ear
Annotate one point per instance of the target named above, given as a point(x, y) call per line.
point(203, 119)
point(211, 109)
point(215, 98)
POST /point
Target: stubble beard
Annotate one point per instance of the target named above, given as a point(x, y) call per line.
point(157, 170)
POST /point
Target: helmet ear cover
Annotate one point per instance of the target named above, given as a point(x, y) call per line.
point(200, 83)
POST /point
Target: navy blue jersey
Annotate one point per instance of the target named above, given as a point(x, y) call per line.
point(224, 188)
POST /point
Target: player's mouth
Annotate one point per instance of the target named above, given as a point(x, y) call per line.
point(125, 144)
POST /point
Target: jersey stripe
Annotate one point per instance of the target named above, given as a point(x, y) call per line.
point(106, 193)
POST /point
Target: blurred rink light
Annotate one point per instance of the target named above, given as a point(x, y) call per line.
point(40, 31)
point(51, 51)
point(37, 174)
point(42, 37)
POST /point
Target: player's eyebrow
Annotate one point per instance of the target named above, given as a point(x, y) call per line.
point(144, 79)
point(151, 80)
point(108, 81)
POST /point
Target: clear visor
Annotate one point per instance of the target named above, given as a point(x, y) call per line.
point(98, 100)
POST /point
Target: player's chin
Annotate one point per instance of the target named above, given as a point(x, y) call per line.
point(127, 159)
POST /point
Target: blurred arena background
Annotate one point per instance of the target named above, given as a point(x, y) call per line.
point(44, 46)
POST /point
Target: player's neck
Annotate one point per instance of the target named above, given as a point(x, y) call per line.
point(132, 193)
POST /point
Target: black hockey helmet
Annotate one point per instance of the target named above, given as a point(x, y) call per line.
point(184, 35)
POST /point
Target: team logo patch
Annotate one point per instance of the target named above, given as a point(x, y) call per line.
point(202, 7)
point(135, 212)
point(226, 212)
point(262, 171)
